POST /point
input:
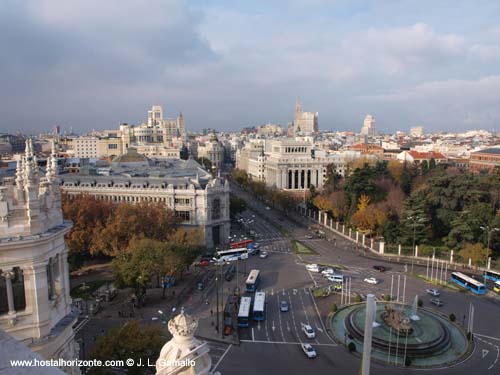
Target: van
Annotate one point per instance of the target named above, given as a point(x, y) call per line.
point(312, 268)
point(336, 278)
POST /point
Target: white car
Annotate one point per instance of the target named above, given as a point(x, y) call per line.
point(308, 331)
point(308, 350)
point(371, 280)
point(433, 292)
point(263, 255)
point(308, 237)
point(328, 271)
point(312, 268)
point(268, 208)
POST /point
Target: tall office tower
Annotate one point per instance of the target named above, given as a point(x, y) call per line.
point(369, 126)
point(304, 122)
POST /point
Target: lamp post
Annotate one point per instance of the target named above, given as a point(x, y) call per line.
point(489, 231)
point(414, 220)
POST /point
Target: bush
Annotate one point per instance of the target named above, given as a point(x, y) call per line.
point(351, 347)
point(420, 303)
point(333, 307)
point(357, 298)
point(452, 317)
point(387, 298)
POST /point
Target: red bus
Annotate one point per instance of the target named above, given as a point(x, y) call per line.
point(245, 243)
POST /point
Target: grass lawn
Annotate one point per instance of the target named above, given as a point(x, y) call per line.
point(446, 284)
point(333, 265)
point(299, 248)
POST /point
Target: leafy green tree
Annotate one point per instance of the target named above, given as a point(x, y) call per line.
point(239, 176)
point(476, 252)
point(236, 205)
point(424, 167)
point(140, 343)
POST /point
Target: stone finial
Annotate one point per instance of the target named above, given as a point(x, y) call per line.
point(182, 325)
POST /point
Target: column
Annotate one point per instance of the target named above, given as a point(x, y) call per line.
point(381, 247)
point(326, 218)
point(367, 343)
point(10, 295)
point(451, 257)
point(371, 243)
point(357, 236)
point(293, 180)
point(416, 251)
point(350, 232)
point(343, 228)
point(363, 240)
point(489, 263)
point(399, 250)
point(337, 225)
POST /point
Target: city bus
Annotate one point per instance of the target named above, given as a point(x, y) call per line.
point(231, 255)
point(245, 243)
point(492, 275)
point(468, 283)
point(259, 306)
point(253, 281)
point(244, 312)
point(496, 287)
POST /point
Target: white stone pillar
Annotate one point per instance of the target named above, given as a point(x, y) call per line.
point(350, 232)
point(451, 257)
point(326, 218)
point(343, 228)
point(489, 263)
point(363, 240)
point(371, 309)
point(470, 262)
point(10, 295)
point(337, 225)
point(416, 251)
point(399, 249)
point(357, 236)
point(371, 243)
point(331, 223)
point(293, 180)
point(381, 247)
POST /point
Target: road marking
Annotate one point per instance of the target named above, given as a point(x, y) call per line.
point(485, 352)
point(272, 291)
point(258, 325)
point(319, 317)
point(273, 327)
point(283, 291)
point(279, 316)
point(496, 348)
point(293, 316)
point(220, 359)
point(253, 335)
point(285, 343)
point(488, 337)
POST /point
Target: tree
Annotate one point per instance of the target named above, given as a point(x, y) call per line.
point(205, 163)
point(424, 167)
point(339, 204)
point(89, 215)
point(395, 169)
point(476, 252)
point(144, 220)
point(369, 219)
point(363, 202)
point(322, 203)
point(236, 205)
point(240, 176)
point(140, 343)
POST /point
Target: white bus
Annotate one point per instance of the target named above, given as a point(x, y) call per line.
point(252, 281)
point(231, 255)
point(244, 312)
point(259, 306)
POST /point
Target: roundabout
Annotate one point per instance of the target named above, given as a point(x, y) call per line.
point(401, 335)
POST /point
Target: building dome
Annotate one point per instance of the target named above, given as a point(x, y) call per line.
point(131, 159)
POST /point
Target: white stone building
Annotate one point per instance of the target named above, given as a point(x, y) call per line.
point(35, 305)
point(197, 198)
point(212, 150)
point(86, 147)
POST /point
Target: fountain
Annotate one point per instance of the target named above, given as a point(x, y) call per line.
point(414, 308)
point(428, 339)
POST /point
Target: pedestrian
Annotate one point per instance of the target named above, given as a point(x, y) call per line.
point(207, 302)
point(211, 313)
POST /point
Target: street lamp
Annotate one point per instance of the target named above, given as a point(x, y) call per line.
point(489, 231)
point(414, 219)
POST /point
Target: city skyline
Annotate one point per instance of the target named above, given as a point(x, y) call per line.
point(226, 66)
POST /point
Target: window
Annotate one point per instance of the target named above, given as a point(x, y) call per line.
point(216, 209)
point(183, 215)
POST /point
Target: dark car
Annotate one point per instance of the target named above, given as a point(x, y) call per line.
point(379, 268)
point(230, 272)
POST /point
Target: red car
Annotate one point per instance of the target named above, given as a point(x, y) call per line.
point(204, 263)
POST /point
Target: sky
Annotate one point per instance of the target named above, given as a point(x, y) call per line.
point(93, 64)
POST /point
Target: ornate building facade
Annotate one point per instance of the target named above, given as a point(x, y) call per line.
point(197, 198)
point(35, 305)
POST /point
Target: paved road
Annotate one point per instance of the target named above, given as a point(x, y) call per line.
point(277, 350)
